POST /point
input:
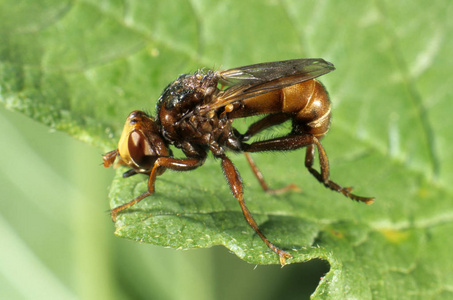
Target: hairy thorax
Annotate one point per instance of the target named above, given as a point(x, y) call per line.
point(193, 132)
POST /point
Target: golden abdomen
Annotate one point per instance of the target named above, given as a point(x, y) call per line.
point(307, 103)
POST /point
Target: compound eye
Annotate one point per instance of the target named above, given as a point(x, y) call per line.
point(140, 150)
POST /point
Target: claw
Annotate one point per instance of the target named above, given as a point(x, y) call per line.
point(283, 256)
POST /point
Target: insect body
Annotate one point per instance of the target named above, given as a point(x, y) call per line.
point(195, 113)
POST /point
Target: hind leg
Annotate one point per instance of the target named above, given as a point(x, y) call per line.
point(293, 142)
point(255, 128)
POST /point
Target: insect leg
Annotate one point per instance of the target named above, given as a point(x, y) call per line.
point(234, 180)
point(162, 163)
point(293, 142)
point(255, 128)
point(129, 173)
point(264, 123)
point(259, 176)
point(323, 177)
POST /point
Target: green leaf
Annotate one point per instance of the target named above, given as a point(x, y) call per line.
point(81, 67)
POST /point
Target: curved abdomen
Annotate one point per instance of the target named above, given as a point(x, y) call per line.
point(306, 103)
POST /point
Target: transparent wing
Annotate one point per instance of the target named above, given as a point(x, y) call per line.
point(250, 81)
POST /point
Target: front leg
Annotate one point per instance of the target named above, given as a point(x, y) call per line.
point(162, 163)
point(234, 180)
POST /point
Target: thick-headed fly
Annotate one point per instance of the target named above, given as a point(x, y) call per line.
point(195, 113)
